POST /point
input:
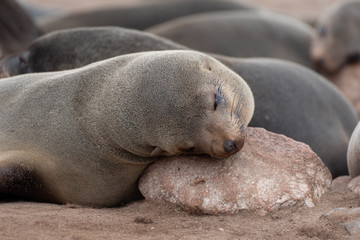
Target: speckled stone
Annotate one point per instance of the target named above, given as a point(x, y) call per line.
point(270, 172)
point(339, 184)
point(354, 185)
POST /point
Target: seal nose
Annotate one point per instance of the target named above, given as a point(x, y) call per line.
point(353, 58)
point(229, 146)
point(232, 147)
point(319, 63)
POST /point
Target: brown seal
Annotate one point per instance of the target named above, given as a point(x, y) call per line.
point(242, 34)
point(290, 99)
point(84, 136)
point(337, 40)
point(141, 16)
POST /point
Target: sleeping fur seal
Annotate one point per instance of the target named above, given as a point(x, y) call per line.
point(84, 136)
point(353, 154)
point(290, 99)
point(17, 28)
point(68, 49)
point(337, 40)
point(242, 34)
point(141, 16)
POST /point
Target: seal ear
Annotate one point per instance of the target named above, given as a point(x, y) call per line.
point(17, 29)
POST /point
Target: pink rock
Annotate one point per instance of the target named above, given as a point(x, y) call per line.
point(354, 185)
point(270, 172)
point(339, 184)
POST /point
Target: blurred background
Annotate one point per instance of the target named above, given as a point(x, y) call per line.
point(305, 9)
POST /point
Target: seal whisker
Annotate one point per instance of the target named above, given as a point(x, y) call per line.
point(236, 112)
point(232, 106)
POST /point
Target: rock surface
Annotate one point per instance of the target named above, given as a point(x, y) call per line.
point(339, 184)
point(354, 185)
point(270, 172)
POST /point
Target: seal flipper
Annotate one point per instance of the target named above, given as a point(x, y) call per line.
point(19, 182)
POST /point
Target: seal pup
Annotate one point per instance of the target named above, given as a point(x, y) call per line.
point(353, 154)
point(84, 136)
point(140, 16)
point(337, 39)
point(242, 34)
point(290, 99)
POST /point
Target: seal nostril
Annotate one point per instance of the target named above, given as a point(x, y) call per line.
point(229, 146)
point(319, 62)
point(353, 58)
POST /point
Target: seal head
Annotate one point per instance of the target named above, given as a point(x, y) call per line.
point(337, 40)
point(176, 102)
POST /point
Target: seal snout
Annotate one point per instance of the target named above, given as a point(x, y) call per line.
point(232, 147)
point(229, 146)
point(319, 63)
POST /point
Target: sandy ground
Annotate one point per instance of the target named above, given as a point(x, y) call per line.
point(150, 220)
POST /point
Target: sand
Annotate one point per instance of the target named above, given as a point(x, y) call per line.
point(152, 220)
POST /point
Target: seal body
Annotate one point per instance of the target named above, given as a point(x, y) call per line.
point(290, 99)
point(17, 28)
point(353, 154)
point(141, 16)
point(301, 104)
point(72, 48)
point(337, 39)
point(242, 34)
point(84, 136)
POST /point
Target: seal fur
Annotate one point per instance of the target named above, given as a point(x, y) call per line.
point(323, 119)
point(242, 34)
point(84, 136)
point(337, 39)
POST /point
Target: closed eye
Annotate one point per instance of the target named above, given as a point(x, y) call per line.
point(216, 102)
point(219, 99)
